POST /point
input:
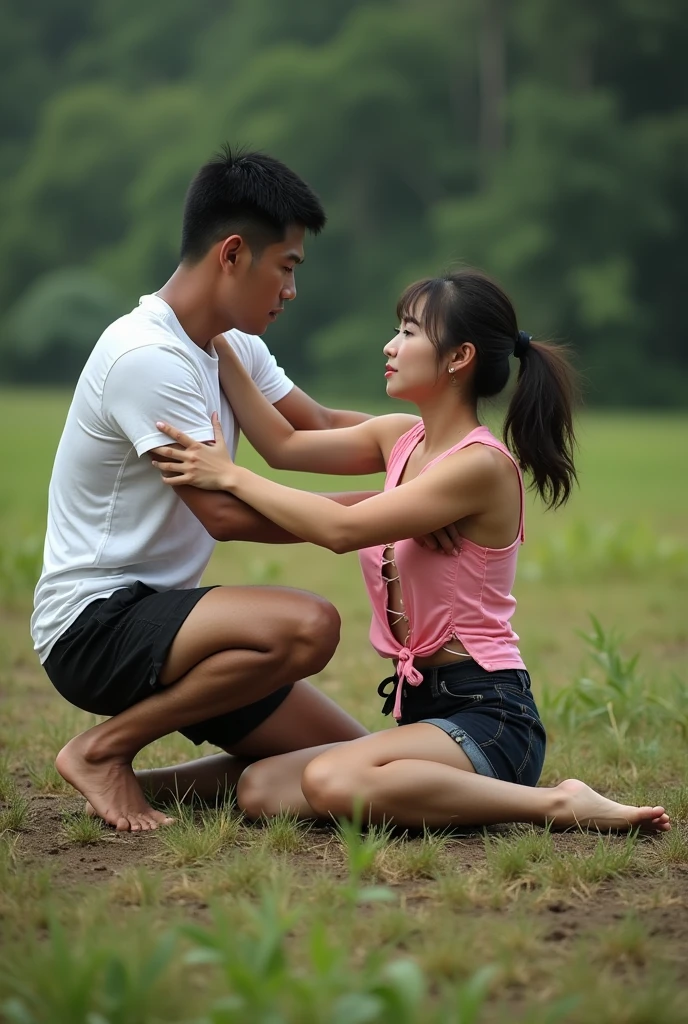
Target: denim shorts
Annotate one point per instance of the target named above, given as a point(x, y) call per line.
point(491, 715)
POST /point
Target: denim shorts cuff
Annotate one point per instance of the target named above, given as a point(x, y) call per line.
point(471, 749)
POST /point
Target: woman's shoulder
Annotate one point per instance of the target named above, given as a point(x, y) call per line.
point(395, 429)
point(480, 453)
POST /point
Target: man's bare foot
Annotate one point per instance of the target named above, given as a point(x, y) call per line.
point(582, 806)
point(110, 787)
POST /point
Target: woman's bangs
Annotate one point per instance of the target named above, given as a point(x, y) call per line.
point(410, 299)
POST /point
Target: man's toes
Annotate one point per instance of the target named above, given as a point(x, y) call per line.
point(161, 819)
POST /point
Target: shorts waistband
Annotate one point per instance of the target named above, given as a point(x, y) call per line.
point(454, 671)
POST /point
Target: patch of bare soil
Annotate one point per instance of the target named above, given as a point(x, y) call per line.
point(44, 844)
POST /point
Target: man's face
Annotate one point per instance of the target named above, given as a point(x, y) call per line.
point(260, 287)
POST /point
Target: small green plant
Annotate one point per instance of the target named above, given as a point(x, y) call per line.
point(610, 858)
point(196, 838)
point(673, 848)
point(136, 887)
point(244, 872)
point(20, 888)
point(8, 786)
point(626, 943)
point(619, 700)
point(519, 857)
point(83, 983)
point(405, 859)
point(47, 779)
point(361, 853)
point(82, 829)
point(15, 814)
point(262, 985)
point(284, 833)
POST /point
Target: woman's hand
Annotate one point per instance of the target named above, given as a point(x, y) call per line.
point(200, 465)
point(224, 350)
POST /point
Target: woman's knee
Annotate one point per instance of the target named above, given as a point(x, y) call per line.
point(329, 789)
point(253, 792)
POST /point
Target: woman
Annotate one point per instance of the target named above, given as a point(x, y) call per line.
point(471, 745)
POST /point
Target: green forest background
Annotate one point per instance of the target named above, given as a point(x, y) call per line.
point(544, 142)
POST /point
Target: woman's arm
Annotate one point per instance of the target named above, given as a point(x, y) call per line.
point(458, 486)
point(348, 450)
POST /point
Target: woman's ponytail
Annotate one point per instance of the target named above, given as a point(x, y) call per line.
point(539, 422)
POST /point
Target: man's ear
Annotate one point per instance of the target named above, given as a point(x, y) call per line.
point(231, 249)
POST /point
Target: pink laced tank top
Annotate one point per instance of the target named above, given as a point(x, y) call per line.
point(466, 596)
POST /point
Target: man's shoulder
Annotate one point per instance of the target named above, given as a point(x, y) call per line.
point(136, 340)
point(241, 339)
point(248, 347)
point(137, 329)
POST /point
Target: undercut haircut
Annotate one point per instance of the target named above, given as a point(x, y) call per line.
point(248, 194)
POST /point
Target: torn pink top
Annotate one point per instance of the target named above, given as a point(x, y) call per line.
point(465, 596)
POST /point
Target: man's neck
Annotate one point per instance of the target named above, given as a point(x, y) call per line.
point(190, 297)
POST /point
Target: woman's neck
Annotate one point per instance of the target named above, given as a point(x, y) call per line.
point(446, 422)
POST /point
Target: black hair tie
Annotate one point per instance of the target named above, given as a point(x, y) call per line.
point(522, 342)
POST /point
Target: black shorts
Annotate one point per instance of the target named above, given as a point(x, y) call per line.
point(491, 715)
point(110, 658)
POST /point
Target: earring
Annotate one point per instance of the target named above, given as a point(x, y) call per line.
point(453, 380)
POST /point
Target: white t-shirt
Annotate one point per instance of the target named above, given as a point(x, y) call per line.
point(111, 520)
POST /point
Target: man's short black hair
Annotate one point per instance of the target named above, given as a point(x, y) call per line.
point(250, 194)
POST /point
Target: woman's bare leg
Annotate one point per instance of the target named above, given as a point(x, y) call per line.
point(273, 785)
point(417, 775)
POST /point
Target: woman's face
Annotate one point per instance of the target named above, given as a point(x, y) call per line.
point(411, 370)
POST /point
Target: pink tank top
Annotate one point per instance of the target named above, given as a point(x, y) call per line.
point(465, 596)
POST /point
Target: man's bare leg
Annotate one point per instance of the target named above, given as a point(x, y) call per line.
point(304, 719)
point(209, 779)
point(237, 645)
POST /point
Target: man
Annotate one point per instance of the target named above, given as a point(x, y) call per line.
point(121, 624)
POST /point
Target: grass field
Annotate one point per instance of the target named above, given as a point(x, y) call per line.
point(220, 921)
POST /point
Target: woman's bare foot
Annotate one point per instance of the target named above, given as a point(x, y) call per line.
point(109, 785)
point(582, 806)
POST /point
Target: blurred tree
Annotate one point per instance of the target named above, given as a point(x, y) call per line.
point(547, 143)
point(56, 323)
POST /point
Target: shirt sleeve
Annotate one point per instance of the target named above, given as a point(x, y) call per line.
point(260, 363)
point(155, 383)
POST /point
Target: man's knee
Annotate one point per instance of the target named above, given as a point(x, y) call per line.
point(313, 631)
point(329, 789)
